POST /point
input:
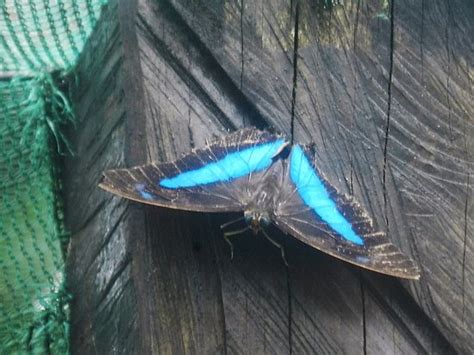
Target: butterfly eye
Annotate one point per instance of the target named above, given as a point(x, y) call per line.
point(248, 215)
point(264, 220)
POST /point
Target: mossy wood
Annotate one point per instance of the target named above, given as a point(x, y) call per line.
point(386, 94)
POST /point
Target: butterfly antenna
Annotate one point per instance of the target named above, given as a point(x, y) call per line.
point(230, 234)
point(279, 246)
point(225, 225)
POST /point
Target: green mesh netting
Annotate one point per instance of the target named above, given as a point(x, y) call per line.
point(44, 35)
point(36, 39)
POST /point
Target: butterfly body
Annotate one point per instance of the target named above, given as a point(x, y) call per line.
point(257, 173)
point(264, 197)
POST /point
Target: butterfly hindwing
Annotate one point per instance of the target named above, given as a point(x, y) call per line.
point(210, 179)
point(316, 213)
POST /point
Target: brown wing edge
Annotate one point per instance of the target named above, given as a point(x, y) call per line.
point(412, 272)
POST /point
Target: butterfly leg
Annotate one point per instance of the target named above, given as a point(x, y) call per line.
point(230, 234)
point(277, 245)
point(225, 225)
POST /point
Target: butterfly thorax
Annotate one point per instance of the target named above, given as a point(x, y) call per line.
point(263, 200)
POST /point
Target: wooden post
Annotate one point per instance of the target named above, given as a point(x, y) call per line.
point(384, 92)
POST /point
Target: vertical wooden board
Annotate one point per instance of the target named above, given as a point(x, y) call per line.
point(430, 152)
point(190, 58)
point(326, 304)
point(128, 297)
point(255, 303)
point(178, 292)
point(254, 295)
point(98, 265)
point(332, 109)
point(185, 107)
point(253, 42)
point(339, 309)
point(341, 104)
point(395, 323)
point(184, 311)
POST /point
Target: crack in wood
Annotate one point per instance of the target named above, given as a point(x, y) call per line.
point(242, 5)
point(389, 108)
point(242, 58)
point(421, 45)
point(219, 286)
point(448, 74)
point(364, 321)
point(464, 246)
point(356, 25)
point(292, 135)
point(290, 315)
point(295, 73)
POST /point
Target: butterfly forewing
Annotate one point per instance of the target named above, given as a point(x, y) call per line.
point(314, 212)
point(212, 179)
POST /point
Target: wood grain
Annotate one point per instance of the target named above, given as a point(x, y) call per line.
point(160, 77)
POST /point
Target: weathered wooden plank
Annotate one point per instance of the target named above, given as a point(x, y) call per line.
point(324, 71)
point(419, 156)
point(125, 290)
point(255, 49)
point(98, 266)
point(161, 77)
point(342, 71)
point(332, 109)
point(431, 150)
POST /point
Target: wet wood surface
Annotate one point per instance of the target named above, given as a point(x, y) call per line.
point(384, 90)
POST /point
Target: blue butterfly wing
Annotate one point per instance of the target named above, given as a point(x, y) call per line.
point(314, 212)
point(215, 178)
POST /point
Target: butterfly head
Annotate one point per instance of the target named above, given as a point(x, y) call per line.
point(256, 220)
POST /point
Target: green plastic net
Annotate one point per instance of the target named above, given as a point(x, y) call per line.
point(37, 38)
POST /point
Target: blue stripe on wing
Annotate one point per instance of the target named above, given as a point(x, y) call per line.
point(315, 195)
point(232, 166)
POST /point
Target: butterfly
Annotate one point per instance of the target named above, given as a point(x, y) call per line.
point(258, 173)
